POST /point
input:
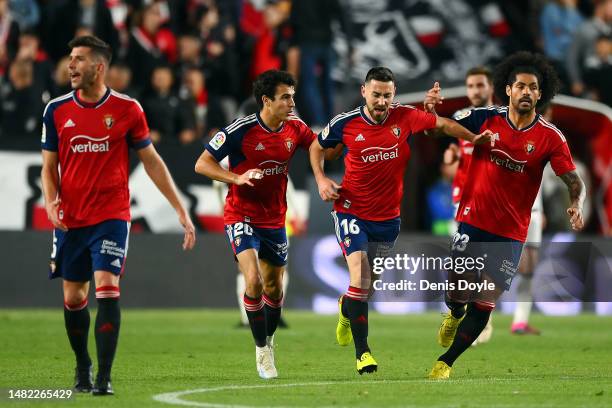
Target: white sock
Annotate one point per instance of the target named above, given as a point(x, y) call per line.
point(524, 300)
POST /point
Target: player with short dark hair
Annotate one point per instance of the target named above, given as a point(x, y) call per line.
point(86, 138)
point(259, 148)
point(367, 204)
point(502, 184)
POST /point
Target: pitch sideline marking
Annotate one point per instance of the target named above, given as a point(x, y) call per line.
point(174, 398)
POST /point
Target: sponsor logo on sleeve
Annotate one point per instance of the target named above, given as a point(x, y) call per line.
point(217, 141)
point(462, 115)
point(43, 137)
point(325, 132)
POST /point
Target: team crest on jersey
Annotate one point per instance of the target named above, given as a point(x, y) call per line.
point(529, 147)
point(289, 144)
point(347, 242)
point(109, 121)
point(396, 130)
point(237, 241)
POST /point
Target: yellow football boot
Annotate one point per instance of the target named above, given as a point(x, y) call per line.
point(366, 363)
point(440, 371)
point(448, 328)
point(344, 336)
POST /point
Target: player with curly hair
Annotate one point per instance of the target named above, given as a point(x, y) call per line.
point(502, 184)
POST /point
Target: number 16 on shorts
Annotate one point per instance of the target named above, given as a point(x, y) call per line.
point(349, 233)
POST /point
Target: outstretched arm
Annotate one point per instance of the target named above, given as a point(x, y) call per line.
point(577, 192)
point(158, 172)
point(452, 128)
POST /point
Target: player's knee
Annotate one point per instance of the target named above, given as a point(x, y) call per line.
point(75, 296)
point(254, 283)
point(273, 288)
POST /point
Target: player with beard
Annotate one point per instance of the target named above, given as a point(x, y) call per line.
point(503, 182)
point(86, 138)
point(366, 211)
point(479, 90)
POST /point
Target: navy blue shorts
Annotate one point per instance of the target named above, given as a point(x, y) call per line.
point(78, 252)
point(377, 238)
point(270, 243)
point(499, 255)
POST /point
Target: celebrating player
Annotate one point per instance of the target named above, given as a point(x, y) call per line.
point(85, 142)
point(259, 147)
point(502, 184)
point(367, 204)
point(479, 90)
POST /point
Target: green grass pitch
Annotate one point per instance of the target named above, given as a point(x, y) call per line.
point(165, 351)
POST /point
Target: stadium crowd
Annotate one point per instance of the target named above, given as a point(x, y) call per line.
point(191, 62)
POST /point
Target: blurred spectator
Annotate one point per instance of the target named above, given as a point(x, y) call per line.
point(20, 111)
point(194, 88)
point(150, 45)
point(189, 53)
point(221, 63)
point(599, 71)
point(558, 22)
point(440, 202)
point(583, 44)
point(170, 117)
point(265, 27)
point(119, 78)
point(312, 24)
point(25, 12)
point(29, 49)
point(62, 19)
point(9, 37)
point(61, 78)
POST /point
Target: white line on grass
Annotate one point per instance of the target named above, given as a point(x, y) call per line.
point(174, 398)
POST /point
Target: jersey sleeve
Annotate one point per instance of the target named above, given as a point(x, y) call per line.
point(420, 120)
point(473, 119)
point(561, 159)
point(138, 137)
point(221, 145)
point(331, 135)
point(48, 139)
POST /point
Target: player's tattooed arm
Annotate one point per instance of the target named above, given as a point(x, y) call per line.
point(577, 192)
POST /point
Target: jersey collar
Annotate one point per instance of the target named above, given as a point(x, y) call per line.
point(368, 120)
point(93, 105)
point(267, 129)
point(532, 124)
